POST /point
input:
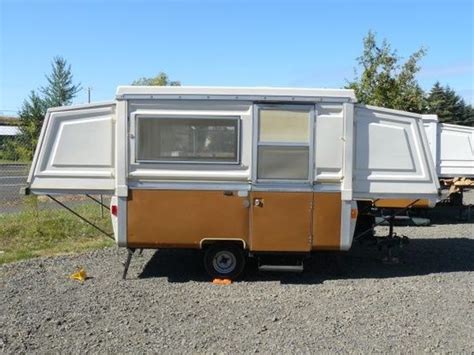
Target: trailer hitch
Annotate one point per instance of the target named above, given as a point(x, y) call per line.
point(391, 242)
point(391, 246)
point(390, 219)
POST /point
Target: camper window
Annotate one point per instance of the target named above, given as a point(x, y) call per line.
point(279, 162)
point(284, 126)
point(283, 144)
point(206, 140)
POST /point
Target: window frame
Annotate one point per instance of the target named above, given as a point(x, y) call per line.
point(310, 109)
point(163, 116)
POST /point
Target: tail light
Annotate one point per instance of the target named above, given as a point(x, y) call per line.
point(114, 210)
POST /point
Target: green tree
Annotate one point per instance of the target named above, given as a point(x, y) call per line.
point(161, 79)
point(59, 92)
point(468, 116)
point(31, 117)
point(384, 80)
point(60, 89)
point(448, 105)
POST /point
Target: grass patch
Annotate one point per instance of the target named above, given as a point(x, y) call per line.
point(32, 233)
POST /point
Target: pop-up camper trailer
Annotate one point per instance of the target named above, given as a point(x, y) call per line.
point(237, 172)
point(452, 148)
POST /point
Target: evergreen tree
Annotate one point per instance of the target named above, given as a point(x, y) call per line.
point(161, 79)
point(449, 106)
point(468, 116)
point(60, 89)
point(384, 81)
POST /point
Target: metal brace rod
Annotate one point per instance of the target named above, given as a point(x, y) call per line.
point(99, 202)
point(81, 217)
point(385, 219)
point(126, 265)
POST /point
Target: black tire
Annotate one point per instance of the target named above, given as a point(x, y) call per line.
point(226, 261)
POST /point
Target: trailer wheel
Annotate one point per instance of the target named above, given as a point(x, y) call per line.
point(224, 261)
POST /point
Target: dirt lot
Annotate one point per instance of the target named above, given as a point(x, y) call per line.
point(353, 304)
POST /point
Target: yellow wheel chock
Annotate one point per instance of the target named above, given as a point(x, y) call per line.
point(79, 275)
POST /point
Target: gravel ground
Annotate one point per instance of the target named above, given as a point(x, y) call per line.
point(353, 303)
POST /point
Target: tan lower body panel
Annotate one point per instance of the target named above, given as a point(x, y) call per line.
point(281, 222)
point(285, 222)
point(327, 221)
point(177, 218)
point(401, 203)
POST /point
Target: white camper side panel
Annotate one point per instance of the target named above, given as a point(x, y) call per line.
point(76, 151)
point(430, 123)
point(329, 142)
point(456, 150)
point(391, 155)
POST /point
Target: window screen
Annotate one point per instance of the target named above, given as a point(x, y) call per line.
point(283, 144)
point(188, 139)
point(284, 126)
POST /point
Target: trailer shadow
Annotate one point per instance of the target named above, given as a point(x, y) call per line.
point(420, 257)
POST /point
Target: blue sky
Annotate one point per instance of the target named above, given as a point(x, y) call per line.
point(223, 42)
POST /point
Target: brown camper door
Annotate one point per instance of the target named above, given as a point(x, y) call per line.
point(281, 201)
point(281, 221)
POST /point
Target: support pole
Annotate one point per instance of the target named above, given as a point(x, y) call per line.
point(101, 206)
point(100, 202)
point(127, 262)
point(391, 222)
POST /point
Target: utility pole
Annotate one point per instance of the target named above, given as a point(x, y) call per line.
point(89, 94)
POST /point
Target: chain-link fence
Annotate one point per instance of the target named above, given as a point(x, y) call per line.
point(12, 178)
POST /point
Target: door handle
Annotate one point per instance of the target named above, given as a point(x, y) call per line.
point(258, 202)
